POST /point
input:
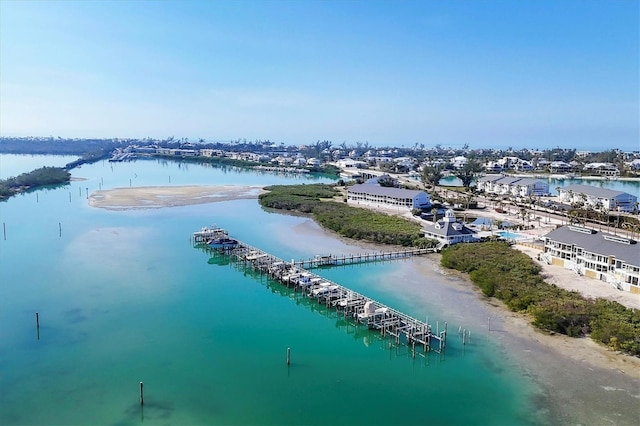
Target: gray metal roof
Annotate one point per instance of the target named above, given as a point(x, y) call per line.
point(528, 181)
point(595, 243)
point(508, 180)
point(446, 229)
point(490, 178)
point(383, 190)
point(594, 191)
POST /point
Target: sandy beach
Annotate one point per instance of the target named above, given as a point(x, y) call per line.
point(150, 197)
point(585, 382)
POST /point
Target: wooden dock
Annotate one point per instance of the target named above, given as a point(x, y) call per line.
point(361, 310)
point(348, 259)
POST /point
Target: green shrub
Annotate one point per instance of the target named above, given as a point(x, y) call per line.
point(511, 276)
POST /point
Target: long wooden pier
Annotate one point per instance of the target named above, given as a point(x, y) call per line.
point(402, 328)
point(347, 259)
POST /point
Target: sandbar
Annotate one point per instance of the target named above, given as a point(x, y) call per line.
point(153, 197)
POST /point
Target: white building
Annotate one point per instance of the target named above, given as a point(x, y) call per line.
point(449, 231)
point(512, 186)
point(559, 167)
point(379, 196)
point(595, 197)
point(601, 169)
point(610, 258)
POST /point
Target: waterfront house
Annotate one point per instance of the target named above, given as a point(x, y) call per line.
point(601, 169)
point(513, 186)
point(559, 167)
point(449, 231)
point(614, 259)
point(378, 196)
point(597, 198)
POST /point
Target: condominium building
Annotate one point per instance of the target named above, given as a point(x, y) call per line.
point(614, 259)
point(380, 196)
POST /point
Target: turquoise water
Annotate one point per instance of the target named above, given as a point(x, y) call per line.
point(123, 297)
point(510, 235)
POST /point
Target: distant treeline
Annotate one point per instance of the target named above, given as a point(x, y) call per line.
point(57, 146)
point(327, 169)
point(351, 222)
point(37, 178)
point(511, 276)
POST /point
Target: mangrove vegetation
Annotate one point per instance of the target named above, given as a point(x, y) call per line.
point(43, 176)
point(513, 277)
point(319, 200)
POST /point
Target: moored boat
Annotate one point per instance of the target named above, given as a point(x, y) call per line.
point(223, 243)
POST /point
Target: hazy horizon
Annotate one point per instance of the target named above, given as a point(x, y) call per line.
point(495, 74)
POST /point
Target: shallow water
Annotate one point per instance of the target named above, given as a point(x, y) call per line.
point(123, 297)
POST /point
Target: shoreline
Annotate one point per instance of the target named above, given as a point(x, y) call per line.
point(577, 380)
point(578, 349)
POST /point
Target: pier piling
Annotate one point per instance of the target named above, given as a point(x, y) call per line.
point(141, 394)
point(359, 308)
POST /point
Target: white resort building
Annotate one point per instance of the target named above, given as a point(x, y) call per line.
point(597, 198)
point(449, 231)
point(380, 196)
point(513, 186)
point(610, 258)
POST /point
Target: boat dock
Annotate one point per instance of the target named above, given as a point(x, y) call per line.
point(362, 310)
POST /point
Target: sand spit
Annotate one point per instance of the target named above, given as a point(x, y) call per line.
point(151, 197)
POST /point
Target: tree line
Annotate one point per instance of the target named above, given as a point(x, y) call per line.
point(43, 176)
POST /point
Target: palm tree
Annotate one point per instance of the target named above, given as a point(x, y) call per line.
point(469, 172)
point(628, 226)
point(431, 175)
point(434, 212)
point(523, 214)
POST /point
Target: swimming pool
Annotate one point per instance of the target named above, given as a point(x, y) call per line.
point(510, 235)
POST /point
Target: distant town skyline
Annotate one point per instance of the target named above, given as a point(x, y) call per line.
point(531, 74)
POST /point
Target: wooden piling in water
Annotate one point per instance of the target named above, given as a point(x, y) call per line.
point(141, 394)
point(288, 356)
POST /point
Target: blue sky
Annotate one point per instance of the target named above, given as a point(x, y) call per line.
point(511, 73)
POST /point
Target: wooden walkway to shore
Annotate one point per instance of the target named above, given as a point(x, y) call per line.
point(401, 328)
point(348, 259)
